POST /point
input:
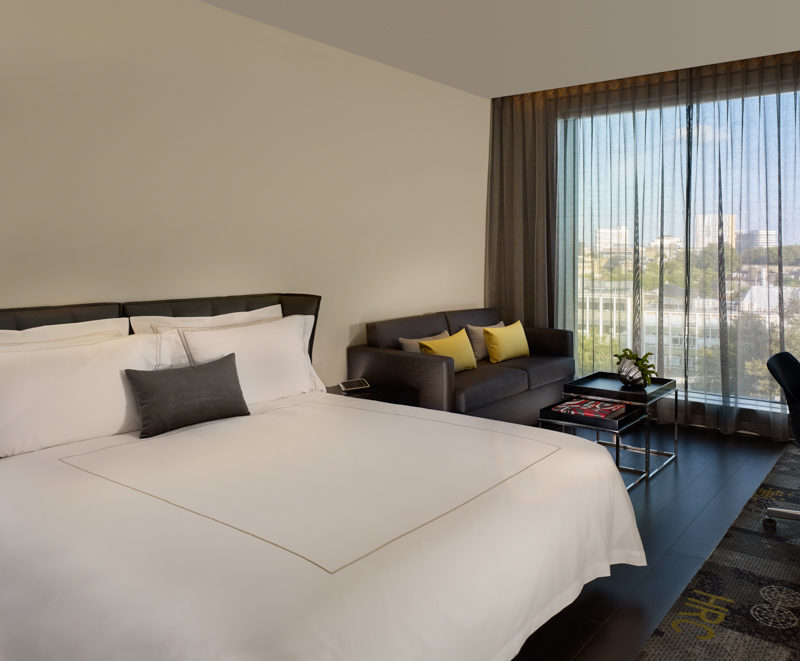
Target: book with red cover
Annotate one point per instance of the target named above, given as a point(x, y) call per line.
point(591, 408)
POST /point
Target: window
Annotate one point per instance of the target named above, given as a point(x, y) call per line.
point(674, 196)
point(682, 226)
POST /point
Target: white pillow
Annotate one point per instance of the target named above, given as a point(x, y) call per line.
point(149, 324)
point(54, 396)
point(309, 327)
point(37, 345)
point(271, 356)
point(114, 327)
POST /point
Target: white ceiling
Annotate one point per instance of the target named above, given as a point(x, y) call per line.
point(500, 47)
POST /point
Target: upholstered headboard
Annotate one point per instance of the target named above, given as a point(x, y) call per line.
point(202, 307)
point(22, 318)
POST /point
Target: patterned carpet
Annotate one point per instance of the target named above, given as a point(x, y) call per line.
point(744, 603)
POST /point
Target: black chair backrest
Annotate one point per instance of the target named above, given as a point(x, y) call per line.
point(785, 368)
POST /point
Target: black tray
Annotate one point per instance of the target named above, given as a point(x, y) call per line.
point(606, 385)
point(632, 414)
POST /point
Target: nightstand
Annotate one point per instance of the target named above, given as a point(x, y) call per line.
point(381, 393)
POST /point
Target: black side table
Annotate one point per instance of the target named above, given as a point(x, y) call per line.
point(605, 386)
point(382, 393)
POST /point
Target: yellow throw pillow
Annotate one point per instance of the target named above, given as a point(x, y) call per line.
point(456, 346)
point(507, 342)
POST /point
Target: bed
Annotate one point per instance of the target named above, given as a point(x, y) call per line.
point(316, 527)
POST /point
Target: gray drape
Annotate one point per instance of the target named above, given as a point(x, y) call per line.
point(662, 213)
point(520, 229)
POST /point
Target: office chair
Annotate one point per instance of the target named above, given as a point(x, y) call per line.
point(785, 369)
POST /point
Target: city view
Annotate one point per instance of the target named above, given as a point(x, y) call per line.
point(711, 304)
point(750, 291)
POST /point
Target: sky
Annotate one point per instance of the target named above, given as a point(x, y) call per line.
point(745, 158)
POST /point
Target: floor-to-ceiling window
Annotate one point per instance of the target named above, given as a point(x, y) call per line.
point(682, 227)
point(671, 223)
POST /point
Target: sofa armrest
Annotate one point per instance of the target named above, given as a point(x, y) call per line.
point(432, 376)
point(550, 341)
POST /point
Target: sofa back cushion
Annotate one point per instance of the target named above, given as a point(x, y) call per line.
point(412, 344)
point(478, 340)
point(385, 334)
point(458, 319)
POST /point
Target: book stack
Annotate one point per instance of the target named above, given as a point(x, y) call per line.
point(591, 408)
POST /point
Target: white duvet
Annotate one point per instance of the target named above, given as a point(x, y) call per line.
point(318, 528)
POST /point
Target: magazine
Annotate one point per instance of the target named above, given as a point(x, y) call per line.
point(591, 408)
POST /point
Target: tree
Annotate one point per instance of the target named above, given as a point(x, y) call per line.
point(704, 270)
point(673, 272)
point(616, 269)
point(708, 377)
point(764, 256)
point(751, 343)
point(759, 382)
point(594, 352)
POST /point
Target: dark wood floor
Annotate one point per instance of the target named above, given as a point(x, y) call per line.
point(682, 514)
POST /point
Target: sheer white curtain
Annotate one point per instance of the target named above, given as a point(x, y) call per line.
point(678, 223)
point(659, 213)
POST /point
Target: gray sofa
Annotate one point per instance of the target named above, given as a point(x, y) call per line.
point(513, 390)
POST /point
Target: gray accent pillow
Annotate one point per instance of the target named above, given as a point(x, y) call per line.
point(412, 345)
point(478, 341)
point(182, 396)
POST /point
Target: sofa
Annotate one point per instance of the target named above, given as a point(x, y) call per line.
point(513, 390)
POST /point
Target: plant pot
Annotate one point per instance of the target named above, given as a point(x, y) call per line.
point(629, 373)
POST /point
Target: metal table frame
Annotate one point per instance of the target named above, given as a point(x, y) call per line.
point(667, 387)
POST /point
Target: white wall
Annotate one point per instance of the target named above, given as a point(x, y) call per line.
point(167, 148)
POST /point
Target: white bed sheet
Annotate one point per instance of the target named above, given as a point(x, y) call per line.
point(320, 527)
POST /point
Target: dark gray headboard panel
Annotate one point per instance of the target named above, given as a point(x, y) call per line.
point(22, 318)
point(201, 307)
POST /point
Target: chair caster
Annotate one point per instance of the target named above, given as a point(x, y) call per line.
point(770, 525)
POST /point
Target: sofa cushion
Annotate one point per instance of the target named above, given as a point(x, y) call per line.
point(458, 319)
point(412, 344)
point(478, 341)
point(487, 384)
point(456, 346)
point(541, 370)
point(385, 334)
point(506, 343)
